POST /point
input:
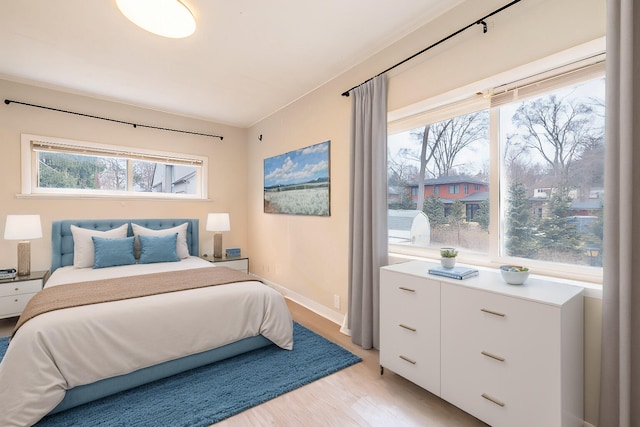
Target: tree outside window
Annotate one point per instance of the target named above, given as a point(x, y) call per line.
point(76, 168)
point(551, 149)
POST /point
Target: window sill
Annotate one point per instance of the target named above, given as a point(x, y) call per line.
point(56, 196)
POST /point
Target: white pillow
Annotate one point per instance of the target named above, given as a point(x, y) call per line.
point(83, 249)
point(182, 250)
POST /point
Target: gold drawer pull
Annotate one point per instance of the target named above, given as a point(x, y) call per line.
point(407, 289)
point(15, 300)
point(407, 327)
point(493, 400)
point(495, 313)
point(16, 289)
point(406, 359)
point(493, 356)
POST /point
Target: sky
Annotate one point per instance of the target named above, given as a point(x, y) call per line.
point(476, 157)
point(295, 167)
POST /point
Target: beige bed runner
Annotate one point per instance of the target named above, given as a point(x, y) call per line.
point(120, 288)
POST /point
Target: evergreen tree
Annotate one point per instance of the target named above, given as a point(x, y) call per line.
point(406, 202)
point(457, 216)
point(434, 208)
point(482, 215)
point(519, 239)
point(61, 170)
point(558, 234)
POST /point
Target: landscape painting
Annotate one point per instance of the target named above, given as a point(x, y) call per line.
point(297, 182)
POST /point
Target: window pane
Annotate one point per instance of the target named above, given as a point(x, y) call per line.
point(553, 177)
point(62, 170)
point(143, 175)
point(164, 178)
point(446, 154)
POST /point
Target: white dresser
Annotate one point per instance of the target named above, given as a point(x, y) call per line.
point(508, 355)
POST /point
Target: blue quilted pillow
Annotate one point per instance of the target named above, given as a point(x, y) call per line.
point(112, 252)
point(158, 248)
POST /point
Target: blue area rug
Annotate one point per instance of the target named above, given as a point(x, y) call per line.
point(203, 396)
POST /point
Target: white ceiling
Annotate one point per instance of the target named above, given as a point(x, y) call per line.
point(246, 60)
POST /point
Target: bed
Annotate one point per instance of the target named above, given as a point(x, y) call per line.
point(69, 356)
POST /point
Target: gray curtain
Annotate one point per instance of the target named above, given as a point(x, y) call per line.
point(620, 370)
point(368, 209)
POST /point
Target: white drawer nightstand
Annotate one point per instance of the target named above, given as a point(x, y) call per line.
point(16, 293)
point(237, 263)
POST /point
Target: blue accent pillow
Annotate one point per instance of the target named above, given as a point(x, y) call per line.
point(158, 248)
point(112, 252)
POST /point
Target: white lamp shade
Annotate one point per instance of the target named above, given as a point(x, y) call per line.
point(22, 227)
point(218, 222)
point(167, 18)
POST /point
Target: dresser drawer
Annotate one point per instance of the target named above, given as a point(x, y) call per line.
point(413, 355)
point(408, 301)
point(406, 298)
point(13, 305)
point(23, 287)
point(238, 264)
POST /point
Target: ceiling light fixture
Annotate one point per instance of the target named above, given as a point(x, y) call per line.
point(167, 18)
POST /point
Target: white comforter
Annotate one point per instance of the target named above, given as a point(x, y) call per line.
point(63, 349)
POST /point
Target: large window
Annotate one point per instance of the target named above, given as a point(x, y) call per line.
point(54, 166)
point(524, 169)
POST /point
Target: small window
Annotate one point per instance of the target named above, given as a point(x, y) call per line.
point(55, 166)
point(436, 189)
point(454, 189)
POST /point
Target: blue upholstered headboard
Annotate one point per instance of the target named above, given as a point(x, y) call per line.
point(62, 239)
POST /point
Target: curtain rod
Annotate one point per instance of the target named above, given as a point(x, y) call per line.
point(480, 21)
point(135, 125)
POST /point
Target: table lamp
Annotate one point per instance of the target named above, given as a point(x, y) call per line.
point(218, 222)
point(23, 228)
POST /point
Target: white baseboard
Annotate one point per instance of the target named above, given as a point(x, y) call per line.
point(327, 313)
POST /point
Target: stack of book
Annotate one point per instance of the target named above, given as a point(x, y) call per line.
point(459, 273)
point(232, 252)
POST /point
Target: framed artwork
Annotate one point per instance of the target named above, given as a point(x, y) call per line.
point(297, 182)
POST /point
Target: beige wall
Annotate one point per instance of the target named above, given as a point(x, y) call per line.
point(309, 255)
point(227, 165)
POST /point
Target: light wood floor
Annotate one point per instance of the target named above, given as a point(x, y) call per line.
point(355, 396)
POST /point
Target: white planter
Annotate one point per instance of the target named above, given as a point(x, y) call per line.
point(448, 262)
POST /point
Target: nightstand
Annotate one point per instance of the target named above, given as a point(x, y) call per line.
point(237, 263)
point(15, 293)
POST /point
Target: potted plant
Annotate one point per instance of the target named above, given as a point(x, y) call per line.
point(448, 257)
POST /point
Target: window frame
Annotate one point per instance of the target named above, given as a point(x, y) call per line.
point(31, 145)
point(492, 99)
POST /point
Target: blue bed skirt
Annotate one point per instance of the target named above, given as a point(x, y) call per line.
point(90, 392)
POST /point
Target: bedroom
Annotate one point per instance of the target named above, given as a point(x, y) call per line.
point(278, 246)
